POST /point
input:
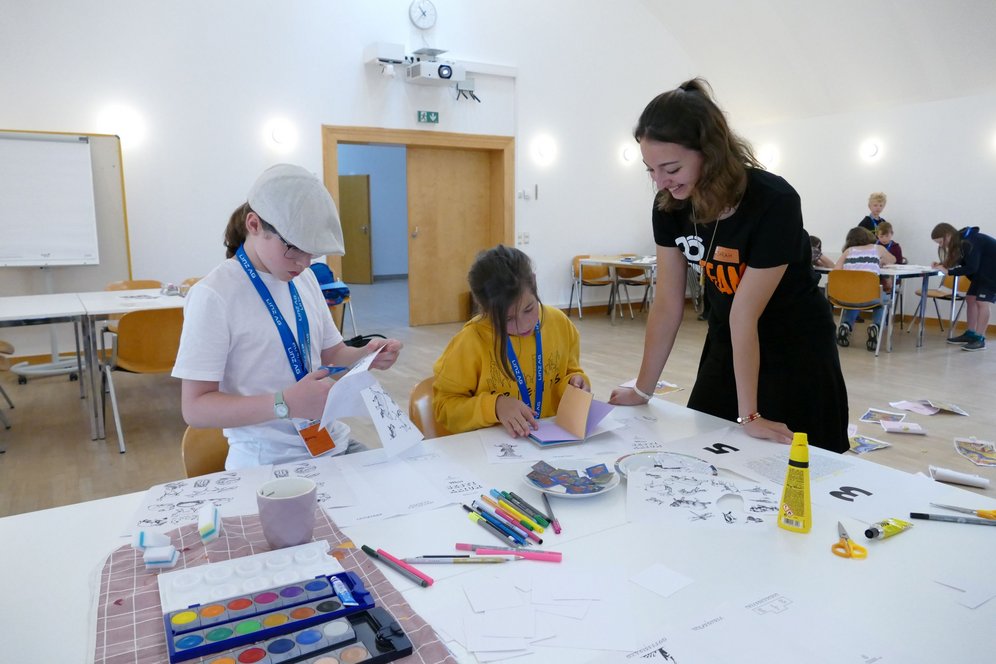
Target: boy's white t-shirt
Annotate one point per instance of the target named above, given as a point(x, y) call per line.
point(230, 338)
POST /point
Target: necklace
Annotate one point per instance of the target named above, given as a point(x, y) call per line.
point(727, 212)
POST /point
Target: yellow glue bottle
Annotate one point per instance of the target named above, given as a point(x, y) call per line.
point(794, 513)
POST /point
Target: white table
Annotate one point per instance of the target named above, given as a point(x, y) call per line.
point(647, 263)
point(100, 305)
point(51, 558)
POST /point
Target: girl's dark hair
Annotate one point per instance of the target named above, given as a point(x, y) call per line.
point(857, 237)
point(689, 117)
point(952, 253)
point(498, 279)
point(235, 231)
point(816, 244)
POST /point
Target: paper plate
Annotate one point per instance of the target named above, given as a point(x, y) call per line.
point(561, 492)
point(665, 459)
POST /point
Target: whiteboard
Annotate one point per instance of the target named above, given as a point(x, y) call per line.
point(47, 211)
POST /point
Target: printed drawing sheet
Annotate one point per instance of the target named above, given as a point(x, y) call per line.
point(333, 490)
point(166, 506)
point(662, 495)
point(397, 433)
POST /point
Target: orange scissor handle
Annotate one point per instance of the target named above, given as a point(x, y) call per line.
point(845, 548)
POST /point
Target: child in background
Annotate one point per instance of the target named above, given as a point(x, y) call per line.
point(256, 329)
point(488, 372)
point(876, 203)
point(819, 259)
point(884, 233)
point(972, 254)
point(861, 253)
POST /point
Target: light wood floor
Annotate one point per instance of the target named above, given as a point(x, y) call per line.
point(51, 461)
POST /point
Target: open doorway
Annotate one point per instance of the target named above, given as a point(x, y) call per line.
point(459, 201)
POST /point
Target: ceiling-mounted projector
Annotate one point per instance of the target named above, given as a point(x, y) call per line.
point(434, 72)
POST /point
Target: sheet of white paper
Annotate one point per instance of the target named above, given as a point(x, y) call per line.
point(333, 490)
point(974, 592)
point(370, 503)
point(607, 626)
point(574, 609)
point(772, 467)
point(479, 643)
point(166, 506)
point(500, 655)
point(450, 477)
point(344, 399)
point(486, 593)
point(661, 579)
point(519, 623)
point(397, 433)
point(572, 583)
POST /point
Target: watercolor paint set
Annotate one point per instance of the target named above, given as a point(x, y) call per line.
point(367, 637)
point(217, 626)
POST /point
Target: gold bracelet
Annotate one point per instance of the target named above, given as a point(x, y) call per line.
point(747, 419)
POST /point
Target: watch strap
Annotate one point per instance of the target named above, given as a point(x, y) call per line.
point(280, 408)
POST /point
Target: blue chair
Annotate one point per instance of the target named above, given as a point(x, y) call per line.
point(336, 292)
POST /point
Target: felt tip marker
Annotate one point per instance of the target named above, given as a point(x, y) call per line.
point(549, 512)
point(460, 560)
point(530, 511)
point(499, 524)
point(476, 518)
point(952, 519)
point(528, 554)
point(334, 371)
point(511, 509)
point(521, 528)
point(399, 566)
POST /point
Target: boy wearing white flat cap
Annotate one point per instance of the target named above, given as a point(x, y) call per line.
point(257, 327)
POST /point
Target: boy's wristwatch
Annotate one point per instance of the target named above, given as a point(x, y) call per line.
point(280, 408)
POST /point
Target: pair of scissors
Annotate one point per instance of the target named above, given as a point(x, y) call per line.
point(982, 514)
point(846, 548)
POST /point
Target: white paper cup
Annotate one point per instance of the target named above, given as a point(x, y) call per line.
point(287, 511)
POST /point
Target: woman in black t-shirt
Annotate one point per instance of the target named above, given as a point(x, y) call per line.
point(769, 361)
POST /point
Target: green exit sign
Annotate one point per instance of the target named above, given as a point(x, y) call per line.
point(428, 117)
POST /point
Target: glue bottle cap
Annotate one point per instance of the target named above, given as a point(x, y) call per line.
point(799, 438)
point(873, 532)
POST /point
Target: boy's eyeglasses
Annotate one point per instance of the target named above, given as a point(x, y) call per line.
point(290, 251)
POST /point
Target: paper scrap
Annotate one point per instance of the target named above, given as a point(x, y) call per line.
point(862, 444)
point(903, 427)
point(490, 593)
point(661, 579)
point(876, 415)
point(979, 452)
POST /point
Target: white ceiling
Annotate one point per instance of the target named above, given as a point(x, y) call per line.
point(772, 60)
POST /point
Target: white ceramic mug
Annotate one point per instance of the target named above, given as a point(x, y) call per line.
point(287, 511)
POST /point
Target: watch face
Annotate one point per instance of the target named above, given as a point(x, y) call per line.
point(422, 14)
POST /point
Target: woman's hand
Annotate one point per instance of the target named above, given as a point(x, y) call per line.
point(626, 396)
point(577, 380)
point(762, 428)
point(938, 266)
point(390, 349)
point(515, 416)
point(306, 398)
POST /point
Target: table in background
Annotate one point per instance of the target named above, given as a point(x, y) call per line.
point(647, 263)
point(101, 305)
point(53, 555)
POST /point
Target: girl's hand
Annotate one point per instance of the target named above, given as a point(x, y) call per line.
point(626, 396)
point(515, 416)
point(776, 431)
point(577, 381)
point(306, 398)
point(388, 356)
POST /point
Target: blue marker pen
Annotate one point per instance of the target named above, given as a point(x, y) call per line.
point(342, 592)
point(334, 371)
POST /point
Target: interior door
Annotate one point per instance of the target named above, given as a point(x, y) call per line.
point(354, 212)
point(450, 219)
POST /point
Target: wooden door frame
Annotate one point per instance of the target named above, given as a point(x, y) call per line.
point(501, 148)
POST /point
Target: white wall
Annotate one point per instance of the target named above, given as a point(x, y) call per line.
point(204, 78)
point(937, 163)
point(385, 164)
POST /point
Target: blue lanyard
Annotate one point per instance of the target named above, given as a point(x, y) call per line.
point(520, 379)
point(300, 362)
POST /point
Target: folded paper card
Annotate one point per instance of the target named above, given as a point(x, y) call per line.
point(578, 417)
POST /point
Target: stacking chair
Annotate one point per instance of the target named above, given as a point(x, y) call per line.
point(110, 326)
point(633, 276)
point(336, 294)
point(420, 410)
point(5, 350)
point(203, 451)
point(860, 290)
point(587, 275)
point(147, 342)
point(944, 293)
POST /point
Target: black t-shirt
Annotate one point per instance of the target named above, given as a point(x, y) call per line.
point(869, 223)
point(765, 231)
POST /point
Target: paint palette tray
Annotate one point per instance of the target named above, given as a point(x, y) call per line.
point(367, 637)
point(201, 630)
point(250, 574)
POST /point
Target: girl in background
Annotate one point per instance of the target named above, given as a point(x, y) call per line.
point(972, 254)
point(861, 252)
point(512, 363)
